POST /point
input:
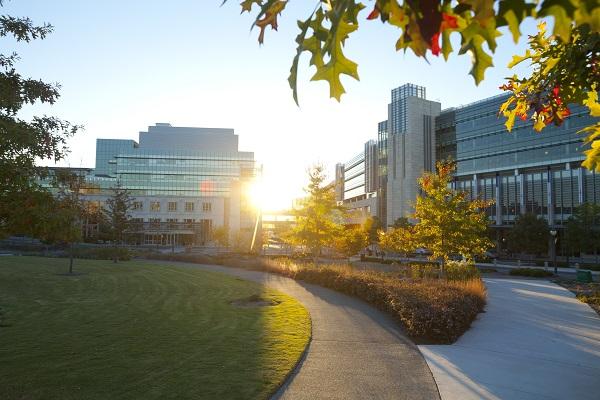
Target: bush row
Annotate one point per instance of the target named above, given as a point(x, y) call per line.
point(431, 310)
point(532, 272)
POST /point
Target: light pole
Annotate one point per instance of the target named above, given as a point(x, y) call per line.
point(554, 234)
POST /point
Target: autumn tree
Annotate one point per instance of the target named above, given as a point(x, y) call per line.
point(448, 221)
point(372, 226)
point(402, 222)
point(582, 230)
point(351, 240)
point(318, 219)
point(530, 234)
point(399, 240)
point(23, 142)
point(566, 70)
point(117, 211)
point(566, 65)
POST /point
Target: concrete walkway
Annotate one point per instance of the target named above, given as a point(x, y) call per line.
point(356, 352)
point(535, 341)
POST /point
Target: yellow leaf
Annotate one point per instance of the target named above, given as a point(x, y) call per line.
point(539, 124)
point(592, 102)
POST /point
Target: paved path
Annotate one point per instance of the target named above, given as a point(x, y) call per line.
point(356, 352)
point(535, 341)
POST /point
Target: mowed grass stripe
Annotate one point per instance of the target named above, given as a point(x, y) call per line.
point(137, 330)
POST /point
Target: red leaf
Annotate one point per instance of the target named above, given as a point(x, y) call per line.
point(448, 22)
point(374, 14)
point(555, 91)
point(435, 44)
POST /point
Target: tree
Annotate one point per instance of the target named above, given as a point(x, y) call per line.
point(351, 241)
point(402, 222)
point(220, 235)
point(448, 222)
point(530, 234)
point(372, 226)
point(65, 223)
point(118, 208)
point(23, 142)
point(424, 24)
point(398, 240)
point(564, 72)
point(582, 230)
point(318, 219)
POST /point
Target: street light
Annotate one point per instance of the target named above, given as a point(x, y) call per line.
point(554, 234)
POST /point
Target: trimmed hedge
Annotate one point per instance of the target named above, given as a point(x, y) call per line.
point(431, 310)
point(531, 272)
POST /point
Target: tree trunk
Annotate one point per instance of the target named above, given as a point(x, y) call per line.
point(70, 258)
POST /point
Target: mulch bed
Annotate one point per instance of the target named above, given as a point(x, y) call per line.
point(587, 292)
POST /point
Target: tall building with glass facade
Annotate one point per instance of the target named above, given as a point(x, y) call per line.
point(184, 181)
point(357, 182)
point(405, 148)
point(521, 171)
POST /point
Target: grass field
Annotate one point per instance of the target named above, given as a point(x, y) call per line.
point(135, 330)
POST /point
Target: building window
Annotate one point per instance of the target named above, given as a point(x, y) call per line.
point(154, 223)
point(172, 223)
point(172, 206)
point(189, 206)
point(189, 222)
point(155, 206)
point(138, 205)
point(206, 207)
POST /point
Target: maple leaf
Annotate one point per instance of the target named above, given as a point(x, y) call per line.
point(511, 13)
point(268, 16)
point(338, 63)
point(481, 60)
point(563, 13)
point(301, 40)
point(247, 5)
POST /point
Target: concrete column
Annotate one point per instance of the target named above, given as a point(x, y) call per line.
point(550, 186)
point(498, 200)
point(580, 191)
point(521, 179)
point(475, 186)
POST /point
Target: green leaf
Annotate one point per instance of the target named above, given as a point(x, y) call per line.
point(516, 59)
point(481, 60)
point(511, 13)
point(563, 13)
point(343, 22)
point(446, 45)
point(300, 39)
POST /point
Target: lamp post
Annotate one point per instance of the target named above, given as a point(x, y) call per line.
point(554, 234)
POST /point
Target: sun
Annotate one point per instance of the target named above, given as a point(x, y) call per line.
point(268, 196)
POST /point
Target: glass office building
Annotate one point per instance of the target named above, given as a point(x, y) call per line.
point(184, 181)
point(357, 181)
point(523, 171)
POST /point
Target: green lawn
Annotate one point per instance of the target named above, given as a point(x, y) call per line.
point(136, 330)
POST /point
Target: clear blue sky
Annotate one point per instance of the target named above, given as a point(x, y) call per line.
point(124, 65)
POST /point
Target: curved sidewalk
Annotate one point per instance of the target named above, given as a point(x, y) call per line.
point(535, 341)
point(356, 352)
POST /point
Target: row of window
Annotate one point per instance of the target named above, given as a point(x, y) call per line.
point(171, 206)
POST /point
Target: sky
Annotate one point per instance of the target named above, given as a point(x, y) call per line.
point(125, 65)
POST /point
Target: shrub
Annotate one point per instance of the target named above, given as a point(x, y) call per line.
point(593, 298)
point(431, 310)
point(461, 271)
point(100, 253)
point(531, 272)
point(424, 271)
